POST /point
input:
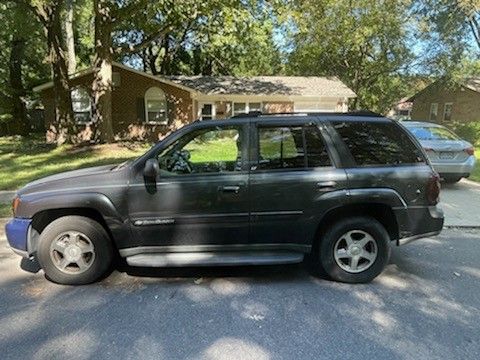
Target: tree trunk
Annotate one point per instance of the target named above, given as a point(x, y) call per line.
point(64, 120)
point(19, 111)
point(102, 83)
point(69, 36)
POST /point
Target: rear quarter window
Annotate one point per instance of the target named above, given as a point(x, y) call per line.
point(378, 143)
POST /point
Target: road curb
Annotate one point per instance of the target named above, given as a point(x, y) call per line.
point(471, 183)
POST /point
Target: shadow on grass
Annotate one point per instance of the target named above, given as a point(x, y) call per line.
point(26, 159)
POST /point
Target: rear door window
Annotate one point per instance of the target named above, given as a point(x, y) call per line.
point(291, 147)
point(378, 143)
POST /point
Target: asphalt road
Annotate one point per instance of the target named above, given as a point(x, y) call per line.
point(425, 305)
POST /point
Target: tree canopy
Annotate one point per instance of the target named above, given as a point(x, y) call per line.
point(378, 48)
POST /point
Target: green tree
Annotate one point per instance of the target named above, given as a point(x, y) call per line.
point(49, 15)
point(21, 65)
point(364, 43)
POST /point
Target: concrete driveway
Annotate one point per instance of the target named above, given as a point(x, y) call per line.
point(425, 305)
point(461, 203)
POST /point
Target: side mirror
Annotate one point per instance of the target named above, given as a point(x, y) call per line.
point(151, 169)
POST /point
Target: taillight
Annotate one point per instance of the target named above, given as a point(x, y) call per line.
point(433, 189)
point(15, 203)
point(470, 150)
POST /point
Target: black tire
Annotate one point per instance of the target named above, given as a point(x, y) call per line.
point(96, 234)
point(326, 262)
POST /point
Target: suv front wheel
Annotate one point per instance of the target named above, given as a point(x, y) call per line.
point(74, 250)
point(354, 250)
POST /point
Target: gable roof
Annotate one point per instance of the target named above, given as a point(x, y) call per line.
point(473, 83)
point(118, 65)
point(313, 86)
point(265, 85)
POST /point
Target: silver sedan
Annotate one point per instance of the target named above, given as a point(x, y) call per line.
point(452, 157)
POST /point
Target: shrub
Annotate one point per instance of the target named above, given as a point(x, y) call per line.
point(469, 131)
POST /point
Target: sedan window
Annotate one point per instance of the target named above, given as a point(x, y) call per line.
point(433, 133)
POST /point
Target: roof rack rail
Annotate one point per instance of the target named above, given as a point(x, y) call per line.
point(349, 113)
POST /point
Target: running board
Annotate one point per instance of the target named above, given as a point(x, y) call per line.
point(215, 258)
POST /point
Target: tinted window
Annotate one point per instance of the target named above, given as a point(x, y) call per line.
point(378, 143)
point(432, 133)
point(317, 154)
point(291, 147)
point(204, 151)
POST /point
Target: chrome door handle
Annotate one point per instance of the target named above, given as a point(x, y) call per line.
point(230, 188)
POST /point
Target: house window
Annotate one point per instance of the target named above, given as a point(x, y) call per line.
point(246, 107)
point(207, 111)
point(433, 111)
point(156, 106)
point(447, 112)
point(81, 105)
point(116, 79)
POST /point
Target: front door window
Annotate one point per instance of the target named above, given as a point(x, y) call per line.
point(211, 150)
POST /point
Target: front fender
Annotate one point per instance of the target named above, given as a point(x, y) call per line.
point(32, 204)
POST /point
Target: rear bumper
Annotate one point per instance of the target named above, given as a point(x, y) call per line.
point(455, 168)
point(17, 231)
point(419, 222)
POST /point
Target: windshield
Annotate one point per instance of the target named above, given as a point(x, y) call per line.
point(433, 133)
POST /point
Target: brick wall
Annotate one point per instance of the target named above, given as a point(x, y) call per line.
point(126, 110)
point(465, 108)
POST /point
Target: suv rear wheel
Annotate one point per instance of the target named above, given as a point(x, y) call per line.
point(354, 250)
point(74, 250)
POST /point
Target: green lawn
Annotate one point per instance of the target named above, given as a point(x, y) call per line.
point(475, 175)
point(25, 159)
point(5, 210)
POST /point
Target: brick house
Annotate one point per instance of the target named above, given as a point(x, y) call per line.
point(442, 102)
point(148, 106)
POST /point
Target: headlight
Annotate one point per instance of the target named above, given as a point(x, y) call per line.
point(15, 203)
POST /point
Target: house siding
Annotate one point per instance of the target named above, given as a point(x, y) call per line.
point(465, 108)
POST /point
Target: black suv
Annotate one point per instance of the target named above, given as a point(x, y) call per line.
point(250, 190)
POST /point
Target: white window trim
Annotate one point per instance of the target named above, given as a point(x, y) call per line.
point(444, 110)
point(145, 99)
point(200, 107)
point(247, 105)
point(90, 107)
point(436, 112)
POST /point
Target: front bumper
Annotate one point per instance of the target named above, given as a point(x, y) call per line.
point(455, 168)
point(17, 231)
point(419, 222)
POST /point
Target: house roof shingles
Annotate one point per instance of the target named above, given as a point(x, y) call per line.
point(265, 85)
point(473, 84)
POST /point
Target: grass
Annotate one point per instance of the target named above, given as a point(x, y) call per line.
point(475, 175)
point(212, 151)
point(25, 159)
point(5, 210)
